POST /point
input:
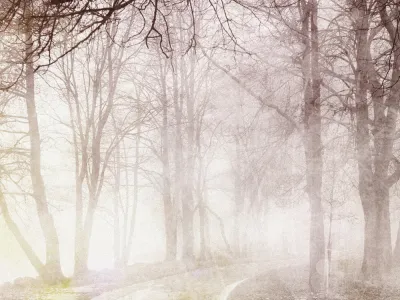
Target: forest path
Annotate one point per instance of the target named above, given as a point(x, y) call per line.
point(213, 283)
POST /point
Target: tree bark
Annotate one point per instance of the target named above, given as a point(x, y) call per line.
point(187, 200)
point(169, 211)
point(23, 243)
point(313, 145)
point(201, 202)
point(116, 208)
point(132, 226)
point(396, 252)
point(178, 153)
point(374, 180)
point(82, 254)
point(239, 199)
point(53, 265)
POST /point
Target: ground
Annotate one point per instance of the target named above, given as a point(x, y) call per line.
point(292, 284)
point(230, 280)
point(174, 280)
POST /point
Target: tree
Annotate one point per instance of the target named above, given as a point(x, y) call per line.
point(311, 133)
point(82, 77)
point(50, 271)
point(375, 143)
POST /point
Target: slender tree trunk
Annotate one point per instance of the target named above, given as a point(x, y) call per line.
point(201, 204)
point(329, 248)
point(131, 231)
point(53, 266)
point(396, 252)
point(169, 211)
point(202, 225)
point(239, 201)
point(80, 174)
point(207, 236)
point(178, 153)
point(78, 227)
point(168, 206)
point(116, 206)
point(187, 201)
point(126, 231)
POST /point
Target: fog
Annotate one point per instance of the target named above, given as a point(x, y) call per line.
point(199, 149)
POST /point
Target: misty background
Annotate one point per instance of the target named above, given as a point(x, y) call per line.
point(199, 131)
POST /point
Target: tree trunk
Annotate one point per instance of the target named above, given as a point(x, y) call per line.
point(313, 146)
point(169, 211)
point(82, 253)
point(178, 153)
point(396, 252)
point(202, 224)
point(169, 221)
point(116, 205)
point(207, 236)
point(370, 267)
point(384, 128)
point(131, 229)
point(187, 201)
point(373, 169)
point(364, 158)
point(53, 266)
point(127, 232)
point(23, 243)
point(239, 200)
point(201, 204)
point(392, 104)
point(78, 227)
point(329, 247)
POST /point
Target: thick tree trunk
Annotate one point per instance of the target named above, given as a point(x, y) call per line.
point(384, 231)
point(82, 253)
point(313, 147)
point(53, 266)
point(84, 233)
point(392, 103)
point(384, 128)
point(374, 182)
point(364, 155)
point(370, 267)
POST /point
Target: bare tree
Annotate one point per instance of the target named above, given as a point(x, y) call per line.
point(50, 271)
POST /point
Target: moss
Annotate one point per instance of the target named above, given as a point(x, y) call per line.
point(66, 283)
